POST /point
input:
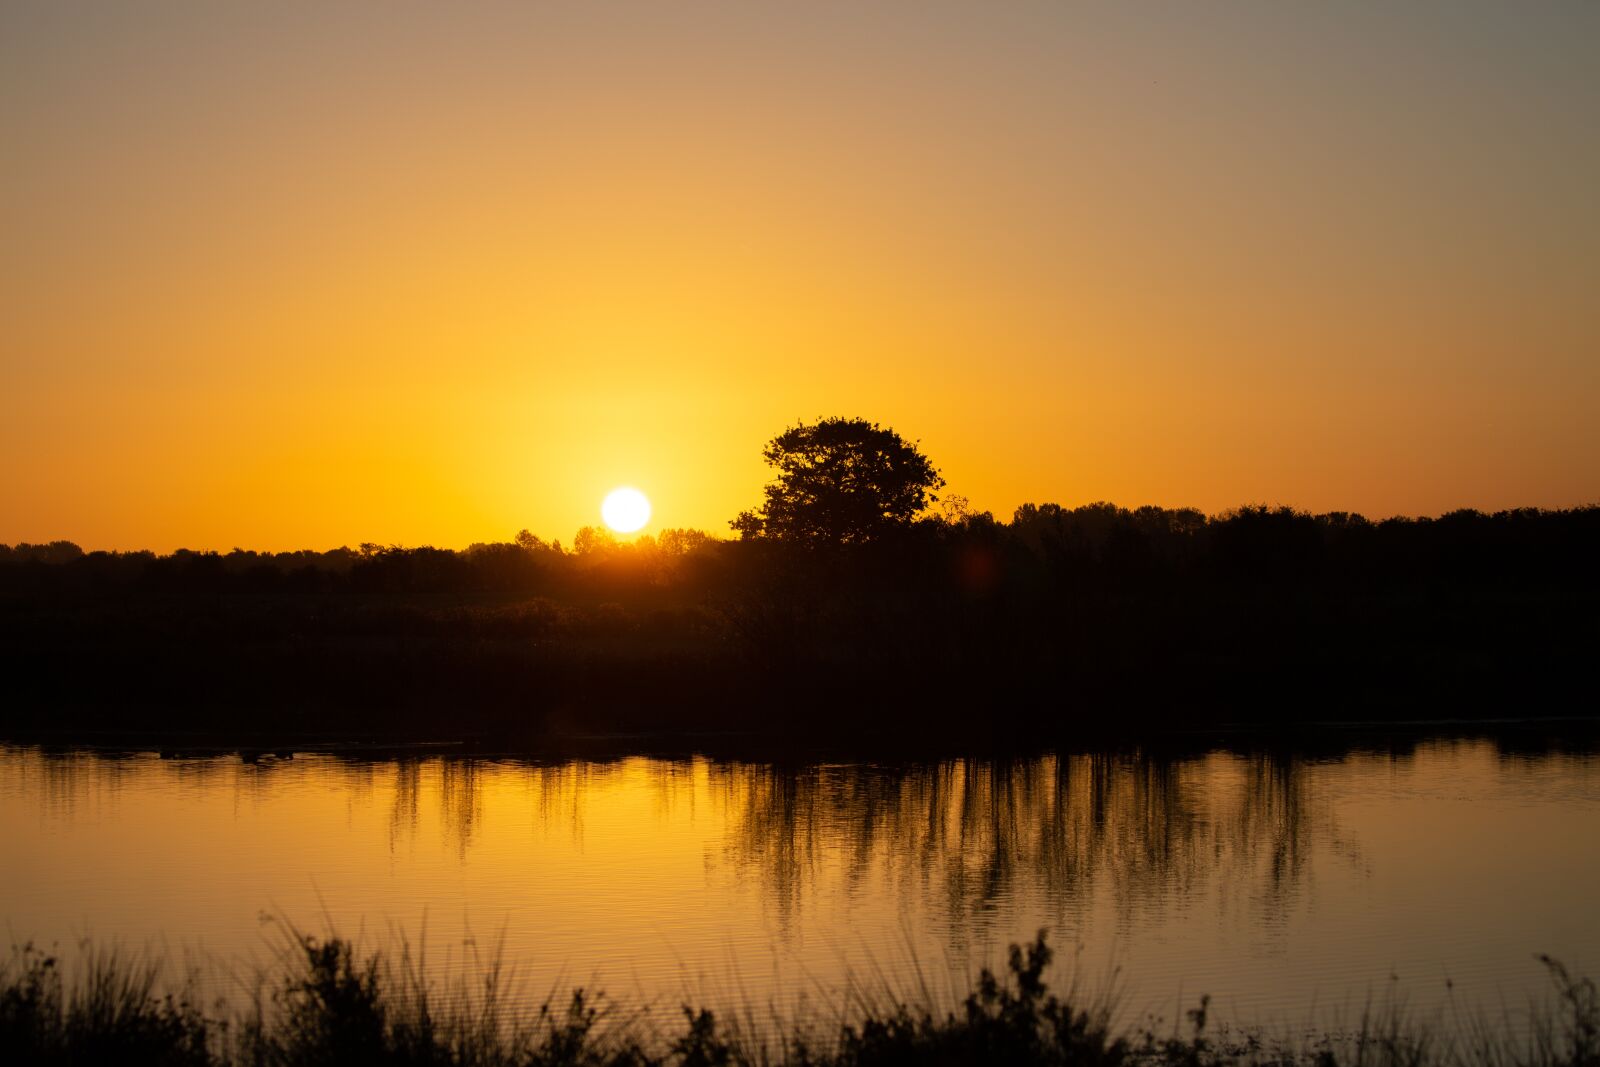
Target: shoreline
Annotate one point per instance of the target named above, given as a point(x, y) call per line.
point(763, 746)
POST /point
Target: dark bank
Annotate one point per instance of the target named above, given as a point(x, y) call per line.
point(965, 627)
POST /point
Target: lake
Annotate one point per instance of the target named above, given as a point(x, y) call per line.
point(1290, 887)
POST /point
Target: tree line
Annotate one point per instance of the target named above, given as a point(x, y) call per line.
point(1091, 543)
point(852, 600)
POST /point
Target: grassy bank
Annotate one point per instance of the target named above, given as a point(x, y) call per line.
point(329, 1004)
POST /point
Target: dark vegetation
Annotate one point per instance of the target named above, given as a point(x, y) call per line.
point(840, 482)
point(842, 611)
point(330, 1005)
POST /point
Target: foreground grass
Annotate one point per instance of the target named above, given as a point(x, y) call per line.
point(329, 1005)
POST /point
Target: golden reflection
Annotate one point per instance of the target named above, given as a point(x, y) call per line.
point(1194, 867)
point(976, 833)
point(403, 809)
point(969, 834)
point(461, 807)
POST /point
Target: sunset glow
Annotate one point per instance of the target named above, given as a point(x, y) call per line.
point(294, 277)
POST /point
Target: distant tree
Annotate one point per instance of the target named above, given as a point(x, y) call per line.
point(674, 542)
point(54, 552)
point(593, 540)
point(841, 481)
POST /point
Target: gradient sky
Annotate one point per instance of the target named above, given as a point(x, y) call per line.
point(298, 275)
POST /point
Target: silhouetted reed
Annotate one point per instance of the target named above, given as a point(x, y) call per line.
point(328, 1004)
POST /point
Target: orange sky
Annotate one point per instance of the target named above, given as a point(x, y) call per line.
point(291, 278)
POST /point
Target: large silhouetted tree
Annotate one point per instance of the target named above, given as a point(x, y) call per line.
point(841, 481)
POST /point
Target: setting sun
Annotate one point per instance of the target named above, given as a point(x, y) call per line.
point(625, 510)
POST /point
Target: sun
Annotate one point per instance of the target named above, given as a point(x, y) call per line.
point(625, 510)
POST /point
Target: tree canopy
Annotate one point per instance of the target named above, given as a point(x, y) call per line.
point(840, 481)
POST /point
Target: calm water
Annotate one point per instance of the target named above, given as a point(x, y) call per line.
point(1286, 887)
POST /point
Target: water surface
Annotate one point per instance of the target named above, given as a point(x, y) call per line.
point(1283, 885)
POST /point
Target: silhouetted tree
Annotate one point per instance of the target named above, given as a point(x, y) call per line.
point(841, 481)
point(593, 540)
point(54, 552)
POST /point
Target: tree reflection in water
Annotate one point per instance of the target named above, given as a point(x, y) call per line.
point(971, 833)
point(1129, 833)
point(1143, 828)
